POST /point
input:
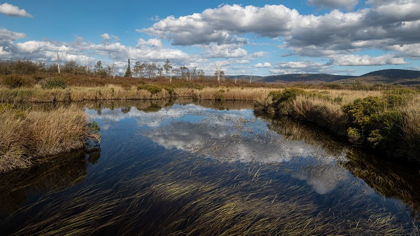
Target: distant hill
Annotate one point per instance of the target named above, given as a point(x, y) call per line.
point(311, 78)
point(395, 74)
point(392, 76)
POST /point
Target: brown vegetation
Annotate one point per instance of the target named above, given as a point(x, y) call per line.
point(26, 135)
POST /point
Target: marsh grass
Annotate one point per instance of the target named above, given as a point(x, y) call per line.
point(26, 135)
point(143, 92)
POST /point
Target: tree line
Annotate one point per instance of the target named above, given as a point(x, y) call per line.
point(139, 69)
point(152, 70)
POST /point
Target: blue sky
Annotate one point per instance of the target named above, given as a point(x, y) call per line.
point(259, 37)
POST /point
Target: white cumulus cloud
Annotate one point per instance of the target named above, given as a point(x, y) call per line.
point(365, 60)
point(11, 10)
point(263, 65)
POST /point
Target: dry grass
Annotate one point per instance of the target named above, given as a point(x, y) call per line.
point(411, 126)
point(26, 135)
point(226, 94)
point(115, 92)
point(316, 110)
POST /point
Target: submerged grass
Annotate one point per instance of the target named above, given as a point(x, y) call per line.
point(26, 135)
point(183, 199)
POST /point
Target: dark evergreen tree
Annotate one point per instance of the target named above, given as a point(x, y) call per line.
point(128, 71)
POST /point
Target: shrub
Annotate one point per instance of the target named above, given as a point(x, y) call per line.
point(373, 124)
point(16, 81)
point(153, 89)
point(53, 84)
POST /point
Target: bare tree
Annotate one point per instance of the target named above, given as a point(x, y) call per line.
point(218, 70)
point(184, 72)
point(167, 66)
point(175, 72)
point(151, 70)
point(201, 74)
point(113, 66)
point(136, 69)
point(250, 78)
point(58, 62)
point(194, 72)
point(160, 71)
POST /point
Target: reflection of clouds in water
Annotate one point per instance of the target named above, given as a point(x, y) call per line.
point(224, 142)
point(322, 177)
point(117, 115)
point(234, 136)
point(154, 119)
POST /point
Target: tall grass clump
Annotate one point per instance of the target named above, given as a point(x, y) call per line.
point(27, 135)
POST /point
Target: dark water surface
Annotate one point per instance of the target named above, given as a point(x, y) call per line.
point(212, 169)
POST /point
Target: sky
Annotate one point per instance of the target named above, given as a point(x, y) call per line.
point(262, 37)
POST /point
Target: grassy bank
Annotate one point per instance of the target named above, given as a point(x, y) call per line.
point(141, 92)
point(28, 135)
point(387, 122)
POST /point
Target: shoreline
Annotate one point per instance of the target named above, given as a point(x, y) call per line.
point(386, 125)
point(320, 108)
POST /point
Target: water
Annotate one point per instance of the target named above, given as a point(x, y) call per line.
point(208, 168)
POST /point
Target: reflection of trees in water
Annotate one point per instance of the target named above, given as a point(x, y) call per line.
point(388, 179)
point(142, 105)
point(53, 174)
point(296, 131)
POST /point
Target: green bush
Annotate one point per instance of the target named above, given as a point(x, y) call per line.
point(153, 89)
point(54, 83)
point(16, 81)
point(373, 123)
